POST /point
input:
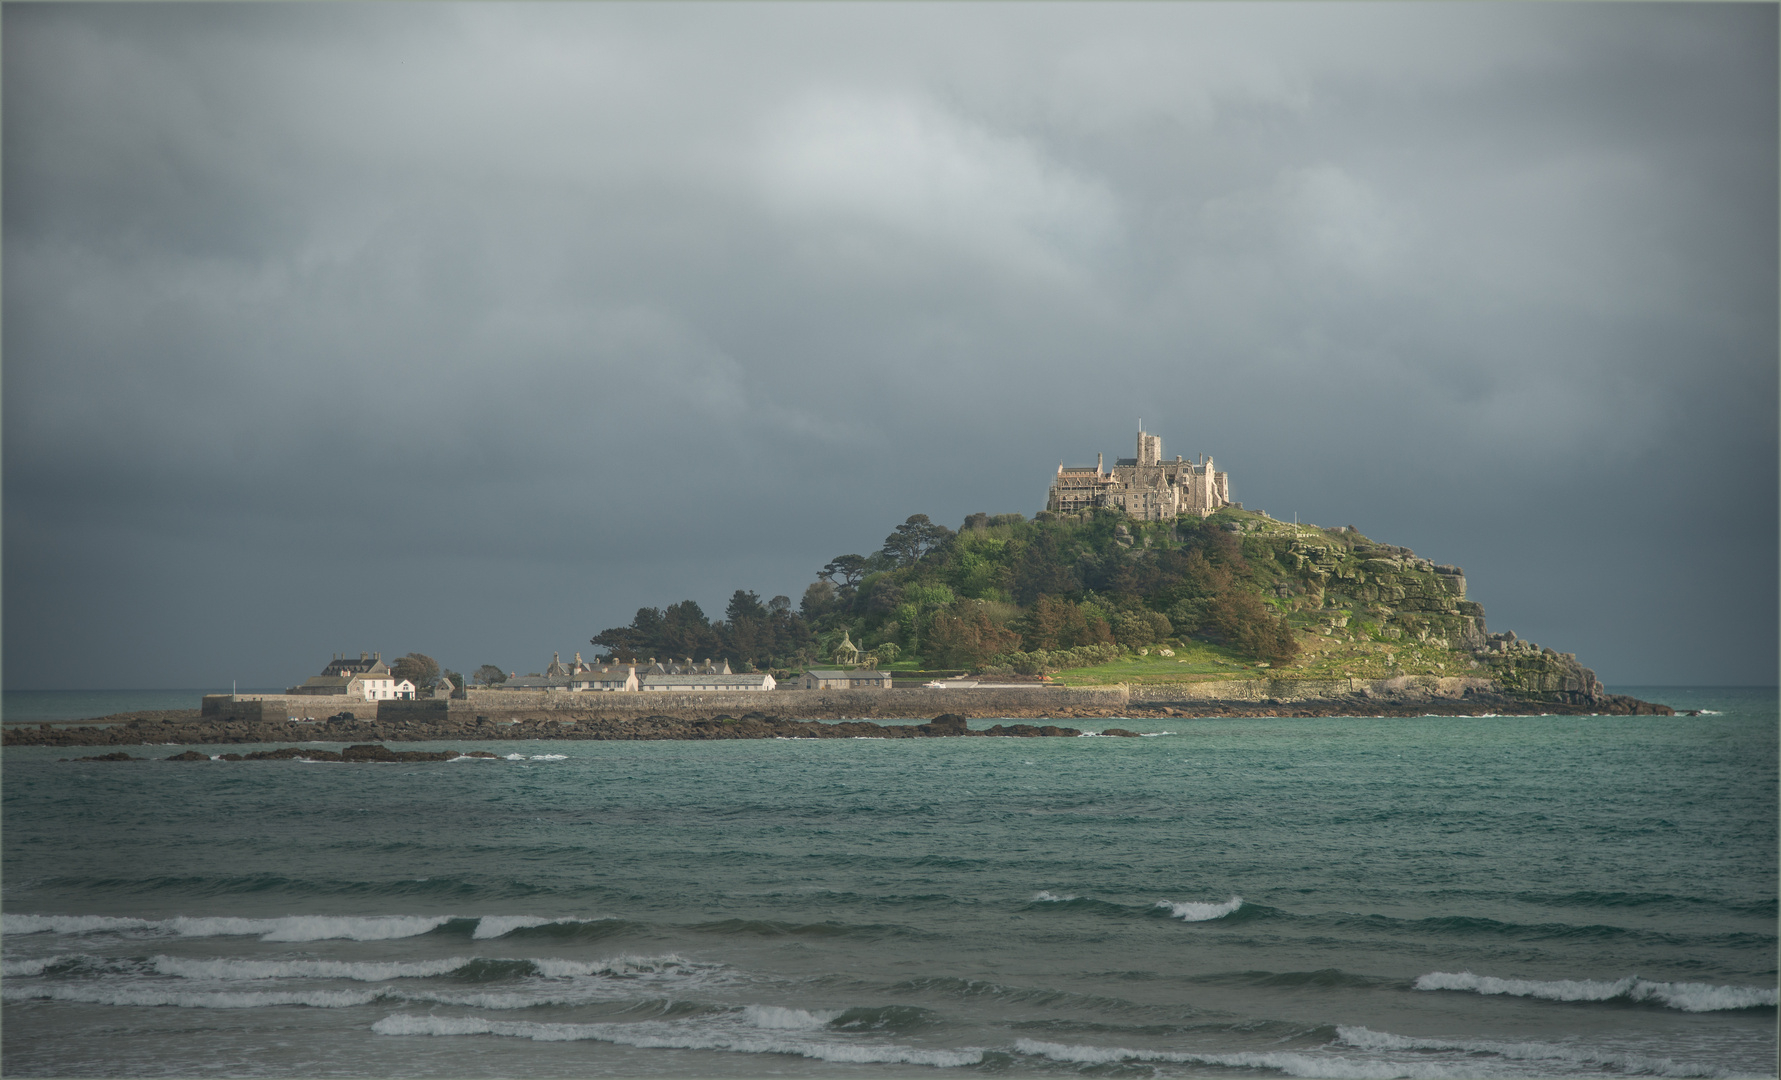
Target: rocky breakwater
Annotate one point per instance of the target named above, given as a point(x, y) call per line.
point(203, 731)
point(1402, 695)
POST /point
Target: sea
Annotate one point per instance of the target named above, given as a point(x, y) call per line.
point(1332, 897)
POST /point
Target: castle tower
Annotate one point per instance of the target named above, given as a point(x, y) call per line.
point(1150, 448)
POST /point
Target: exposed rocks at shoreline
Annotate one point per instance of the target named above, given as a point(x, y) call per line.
point(187, 727)
point(752, 726)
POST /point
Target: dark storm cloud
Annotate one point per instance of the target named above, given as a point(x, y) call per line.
point(469, 329)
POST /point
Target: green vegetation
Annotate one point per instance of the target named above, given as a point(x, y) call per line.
point(1097, 598)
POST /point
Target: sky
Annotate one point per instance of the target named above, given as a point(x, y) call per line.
point(469, 329)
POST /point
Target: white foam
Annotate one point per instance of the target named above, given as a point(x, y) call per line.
point(670, 964)
point(10, 968)
point(1154, 734)
point(1197, 912)
point(550, 757)
point(493, 926)
point(1043, 897)
point(516, 757)
point(677, 1036)
point(67, 924)
point(1364, 1039)
point(323, 927)
point(1313, 1064)
point(304, 969)
point(776, 1018)
point(1688, 997)
point(190, 999)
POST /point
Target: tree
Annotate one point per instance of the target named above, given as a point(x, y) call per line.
point(849, 568)
point(1140, 627)
point(914, 538)
point(966, 637)
point(490, 675)
point(746, 605)
point(819, 600)
point(641, 638)
point(417, 668)
point(1248, 625)
point(745, 635)
point(686, 631)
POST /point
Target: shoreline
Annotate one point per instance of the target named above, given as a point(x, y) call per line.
point(188, 727)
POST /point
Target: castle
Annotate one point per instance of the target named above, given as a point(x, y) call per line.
point(1144, 487)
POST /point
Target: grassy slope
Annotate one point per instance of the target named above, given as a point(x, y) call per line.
point(1342, 629)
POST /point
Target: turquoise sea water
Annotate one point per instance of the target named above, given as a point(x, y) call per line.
point(44, 706)
point(1243, 897)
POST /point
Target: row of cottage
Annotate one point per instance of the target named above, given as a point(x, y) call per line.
point(370, 677)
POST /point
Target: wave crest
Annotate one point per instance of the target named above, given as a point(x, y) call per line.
point(675, 1037)
point(1688, 997)
point(1191, 911)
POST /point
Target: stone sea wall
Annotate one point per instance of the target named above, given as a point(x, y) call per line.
point(489, 711)
point(1035, 701)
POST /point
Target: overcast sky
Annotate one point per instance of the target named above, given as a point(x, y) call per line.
point(468, 329)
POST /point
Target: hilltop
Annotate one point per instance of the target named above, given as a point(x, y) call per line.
point(1096, 598)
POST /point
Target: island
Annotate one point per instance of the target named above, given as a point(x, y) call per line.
point(1142, 590)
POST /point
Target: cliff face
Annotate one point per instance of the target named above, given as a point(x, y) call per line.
point(1377, 598)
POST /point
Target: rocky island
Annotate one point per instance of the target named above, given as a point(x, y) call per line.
point(1088, 611)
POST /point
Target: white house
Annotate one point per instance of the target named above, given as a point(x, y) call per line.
point(381, 688)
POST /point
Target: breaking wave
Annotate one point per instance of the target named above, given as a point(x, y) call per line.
point(1292, 1063)
point(747, 1038)
point(1198, 912)
point(1688, 997)
point(1043, 897)
point(1335, 1061)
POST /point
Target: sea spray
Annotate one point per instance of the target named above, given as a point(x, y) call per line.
point(1192, 911)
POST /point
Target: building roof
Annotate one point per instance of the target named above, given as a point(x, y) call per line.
point(705, 680)
point(329, 680)
point(533, 682)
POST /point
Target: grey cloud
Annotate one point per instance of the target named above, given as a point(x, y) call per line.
point(521, 316)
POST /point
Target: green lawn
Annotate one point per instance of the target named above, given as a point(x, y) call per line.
point(1323, 657)
point(1194, 661)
